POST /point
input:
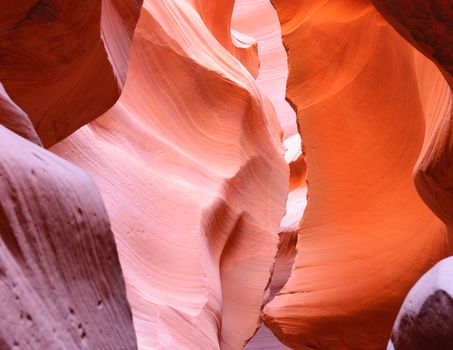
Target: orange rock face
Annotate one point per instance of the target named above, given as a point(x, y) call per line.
point(366, 235)
point(427, 26)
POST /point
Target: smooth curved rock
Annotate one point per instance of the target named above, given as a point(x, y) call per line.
point(217, 16)
point(433, 172)
point(61, 285)
point(190, 165)
point(56, 65)
point(366, 236)
point(425, 320)
point(427, 26)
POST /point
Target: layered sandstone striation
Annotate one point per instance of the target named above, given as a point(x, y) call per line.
point(61, 286)
point(190, 165)
point(367, 114)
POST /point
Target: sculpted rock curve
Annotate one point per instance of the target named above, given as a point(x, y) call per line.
point(64, 62)
point(196, 203)
point(365, 231)
point(61, 284)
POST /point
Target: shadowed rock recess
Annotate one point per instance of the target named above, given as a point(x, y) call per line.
point(226, 174)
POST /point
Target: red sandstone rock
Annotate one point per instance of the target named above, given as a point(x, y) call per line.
point(12, 117)
point(61, 285)
point(59, 64)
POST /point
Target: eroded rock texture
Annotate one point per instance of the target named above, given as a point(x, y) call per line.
point(61, 286)
point(425, 320)
point(191, 168)
point(363, 97)
point(64, 62)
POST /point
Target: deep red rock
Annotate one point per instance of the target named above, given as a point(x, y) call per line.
point(64, 62)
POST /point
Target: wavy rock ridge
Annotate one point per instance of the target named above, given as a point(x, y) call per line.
point(196, 203)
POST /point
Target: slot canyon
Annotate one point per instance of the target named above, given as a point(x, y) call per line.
point(226, 174)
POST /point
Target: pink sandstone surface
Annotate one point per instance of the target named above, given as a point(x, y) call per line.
point(61, 286)
point(197, 201)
